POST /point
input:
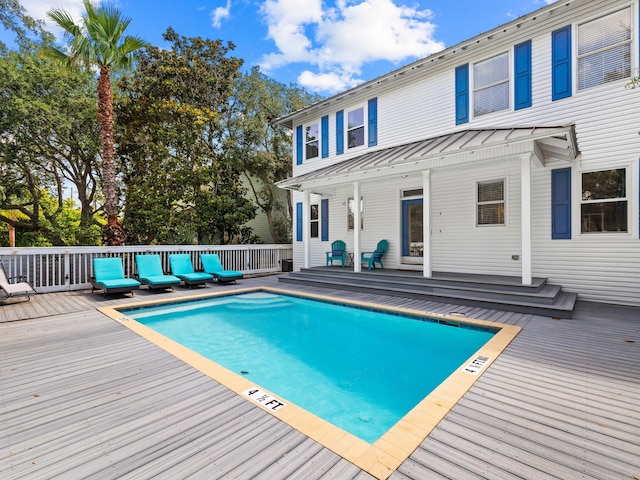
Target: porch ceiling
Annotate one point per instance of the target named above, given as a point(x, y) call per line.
point(458, 147)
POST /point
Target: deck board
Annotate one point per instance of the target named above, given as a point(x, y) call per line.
point(81, 396)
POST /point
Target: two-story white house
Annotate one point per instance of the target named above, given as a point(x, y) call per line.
point(513, 153)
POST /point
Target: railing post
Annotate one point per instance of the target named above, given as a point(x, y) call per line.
point(67, 270)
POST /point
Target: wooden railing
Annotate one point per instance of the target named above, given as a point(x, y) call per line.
point(52, 269)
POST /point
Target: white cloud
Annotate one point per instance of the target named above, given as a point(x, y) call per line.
point(220, 14)
point(338, 41)
point(39, 8)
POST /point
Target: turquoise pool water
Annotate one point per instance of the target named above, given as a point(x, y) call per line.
point(358, 369)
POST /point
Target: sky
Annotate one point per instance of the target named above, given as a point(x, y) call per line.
point(324, 46)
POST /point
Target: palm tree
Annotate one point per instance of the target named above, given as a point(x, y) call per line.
point(97, 41)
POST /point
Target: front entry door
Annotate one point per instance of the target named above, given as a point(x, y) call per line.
point(412, 231)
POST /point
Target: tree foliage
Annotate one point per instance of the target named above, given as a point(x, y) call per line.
point(178, 187)
point(260, 149)
point(48, 140)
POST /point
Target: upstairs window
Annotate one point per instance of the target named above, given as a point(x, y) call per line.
point(355, 128)
point(604, 49)
point(490, 202)
point(491, 85)
point(311, 141)
point(604, 201)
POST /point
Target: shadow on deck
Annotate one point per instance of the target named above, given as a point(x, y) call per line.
point(486, 291)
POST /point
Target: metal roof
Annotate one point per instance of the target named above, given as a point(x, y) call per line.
point(557, 142)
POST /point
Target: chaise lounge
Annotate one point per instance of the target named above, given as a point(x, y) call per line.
point(8, 289)
point(211, 264)
point(108, 276)
point(150, 273)
point(182, 267)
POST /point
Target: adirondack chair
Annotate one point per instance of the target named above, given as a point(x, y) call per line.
point(371, 258)
point(338, 252)
point(20, 288)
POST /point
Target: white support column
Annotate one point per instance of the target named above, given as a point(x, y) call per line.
point(525, 187)
point(426, 223)
point(306, 227)
point(357, 266)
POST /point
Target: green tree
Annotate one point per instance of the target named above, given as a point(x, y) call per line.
point(260, 149)
point(14, 18)
point(48, 134)
point(178, 188)
point(99, 41)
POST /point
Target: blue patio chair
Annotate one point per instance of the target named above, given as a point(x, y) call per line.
point(371, 258)
point(182, 268)
point(338, 253)
point(211, 264)
point(150, 273)
point(108, 276)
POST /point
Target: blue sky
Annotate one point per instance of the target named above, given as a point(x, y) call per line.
point(323, 46)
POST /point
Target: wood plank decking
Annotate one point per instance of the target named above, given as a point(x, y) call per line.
point(83, 397)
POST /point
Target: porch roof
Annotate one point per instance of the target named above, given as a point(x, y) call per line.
point(558, 142)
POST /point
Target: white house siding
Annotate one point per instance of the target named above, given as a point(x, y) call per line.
point(602, 267)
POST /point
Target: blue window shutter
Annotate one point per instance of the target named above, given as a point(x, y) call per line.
point(299, 145)
point(299, 221)
point(373, 122)
point(561, 63)
point(462, 94)
point(561, 203)
point(324, 134)
point(340, 132)
point(522, 68)
point(324, 219)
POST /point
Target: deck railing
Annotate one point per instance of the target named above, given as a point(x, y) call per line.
point(53, 269)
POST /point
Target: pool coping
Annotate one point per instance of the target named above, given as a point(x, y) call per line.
point(379, 459)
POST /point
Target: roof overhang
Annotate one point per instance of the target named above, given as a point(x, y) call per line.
point(540, 143)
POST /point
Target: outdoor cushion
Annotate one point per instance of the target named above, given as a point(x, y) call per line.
point(182, 267)
point(108, 275)
point(150, 272)
point(211, 264)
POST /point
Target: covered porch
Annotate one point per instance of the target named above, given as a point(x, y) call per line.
point(411, 173)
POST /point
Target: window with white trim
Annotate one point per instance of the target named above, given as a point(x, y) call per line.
point(490, 202)
point(491, 85)
point(604, 49)
point(314, 219)
point(355, 128)
point(311, 141)
point(351, 209)
point(604, 204)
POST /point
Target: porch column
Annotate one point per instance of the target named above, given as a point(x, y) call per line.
point(357, 266)
point(525, 187)
point(426, 223)
point(306, 227)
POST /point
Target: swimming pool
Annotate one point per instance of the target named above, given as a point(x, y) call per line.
point(336, 384)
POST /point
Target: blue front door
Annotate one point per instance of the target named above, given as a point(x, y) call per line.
point(412, 231)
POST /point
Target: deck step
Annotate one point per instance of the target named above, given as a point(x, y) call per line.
point(499, 293)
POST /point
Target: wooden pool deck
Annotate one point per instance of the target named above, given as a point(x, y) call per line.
point(83, 397)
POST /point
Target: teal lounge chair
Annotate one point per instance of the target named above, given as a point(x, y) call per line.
point(150, 273)
point(338, 252)
point(108, 276)
point(371, 258)
point(211, 264)
point(182, 268)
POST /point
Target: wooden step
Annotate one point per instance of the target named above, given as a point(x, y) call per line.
point(499, 294)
